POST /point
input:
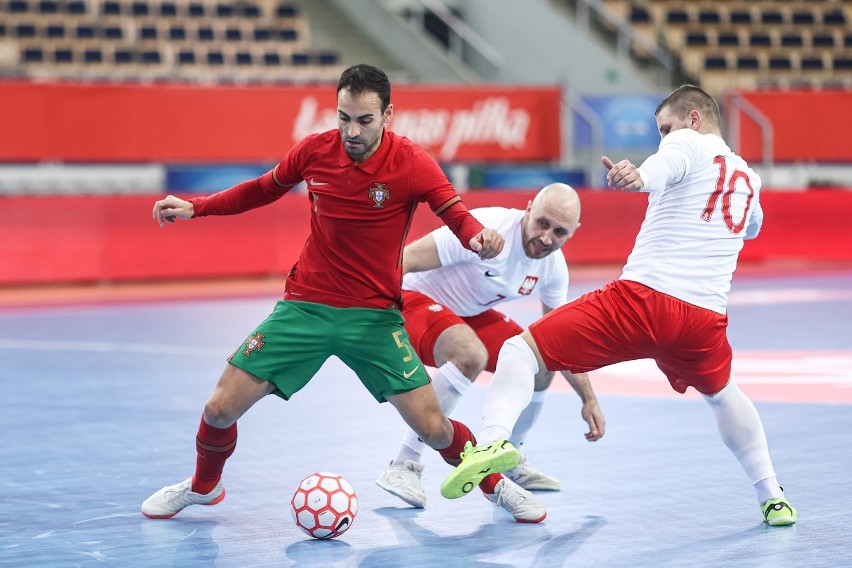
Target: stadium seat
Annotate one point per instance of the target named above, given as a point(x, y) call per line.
point(215, 57)
point(728, 39)
point(677, 16)
point(328, 58)
point(740, 17)
point(224, 10)
point(696, 38)
point(249, 10)
point(823, 40)
point(48, 7)
point(300, 59)
point(803, 18)
point(243, 58)
point(111, 8)
point(113, 33)
point(63, 55)
point(709, 17)
point(715, 63)
point(168, 9)
point(93, 55)
point(760, 39)
point(271, 59)
point(812, 63)
point(140, 8)
point(18, 6)
point(748, 63)
point(123, 56)
point(233, 34)
point(261, 34)
point(25, 30)
point(85, 31)
point(32, 55)
point(770, 17)
point(177, 32)
point(195, 10)
point(205, 33)
point(148, 32)
point(841, 62)
point(834, 17)
point(151, 57)
point(54, 31)
point(792, 39)
point(76, 7)
point(286, 10)
point(780, 62)
point(186, 57)
point(287, 34)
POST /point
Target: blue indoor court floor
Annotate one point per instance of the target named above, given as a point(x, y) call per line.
point(100, 398)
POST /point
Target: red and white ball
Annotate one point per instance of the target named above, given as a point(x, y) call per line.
point(324, 505)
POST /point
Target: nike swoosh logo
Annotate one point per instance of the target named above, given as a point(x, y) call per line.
point(407, 374)
point(315, 182)
point(491, 274)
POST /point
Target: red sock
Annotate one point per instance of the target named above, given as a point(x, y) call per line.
point(214, 446)
point(461, 435)
point(489, 484)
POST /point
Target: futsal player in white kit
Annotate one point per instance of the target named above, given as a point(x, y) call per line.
point(449, 299)
point(669, 304)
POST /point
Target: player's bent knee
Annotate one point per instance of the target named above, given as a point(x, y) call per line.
point(217, 415)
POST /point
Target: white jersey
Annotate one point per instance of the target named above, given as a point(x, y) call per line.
point(468, 285)
point(704, 200)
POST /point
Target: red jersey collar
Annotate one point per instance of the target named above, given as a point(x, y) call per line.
point(374, 162)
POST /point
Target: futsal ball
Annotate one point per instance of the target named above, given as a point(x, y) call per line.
point(324, 505)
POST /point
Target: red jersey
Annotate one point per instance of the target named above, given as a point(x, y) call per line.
point(360, 215)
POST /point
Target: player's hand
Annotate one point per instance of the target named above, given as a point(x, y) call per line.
point(171, 208)
point(594, 417)
point(487, 244)
point(622, 175)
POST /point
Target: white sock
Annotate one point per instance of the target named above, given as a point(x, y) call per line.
point(742, 432)
point(527, 418)
point(510, 392)
point(450, 385)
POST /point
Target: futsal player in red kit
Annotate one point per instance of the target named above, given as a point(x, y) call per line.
point(342, 297)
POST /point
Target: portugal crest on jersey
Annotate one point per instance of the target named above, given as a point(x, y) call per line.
point(254, 343)
point(379, 194)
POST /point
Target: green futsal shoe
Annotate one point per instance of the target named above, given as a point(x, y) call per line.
point(477, 463)
point(778, 512)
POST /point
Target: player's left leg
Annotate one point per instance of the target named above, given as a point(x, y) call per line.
point(493, 329)
point(742, 432)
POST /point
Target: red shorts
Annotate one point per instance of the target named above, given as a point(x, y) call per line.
point(426, 319)
point(626, 320)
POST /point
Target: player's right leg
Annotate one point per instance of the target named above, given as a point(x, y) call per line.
point(280, 357)
point(215, 441)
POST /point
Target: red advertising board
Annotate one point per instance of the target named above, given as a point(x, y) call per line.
point(188, 123)
point(807, 126)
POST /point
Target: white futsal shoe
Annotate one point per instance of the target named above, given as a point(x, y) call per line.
point(519, 502)
point(404, 481)
point(524, 475)
point(172, 499)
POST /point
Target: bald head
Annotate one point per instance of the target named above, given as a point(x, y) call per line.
point(551, 219)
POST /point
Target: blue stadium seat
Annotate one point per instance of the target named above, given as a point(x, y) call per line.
point(834, 17)
point(286, 10)
point(177, 32)
point(709, 17)
point(780, 62)
point(287, 34)
point(151, 57)
point(75, 7)
point(823, 40)
point(696, 38)
point(112, 32)
point(300, 59)
point(54, 31)
point(760, 39)
point(715, 63)
point(728, 39)
point(148, 32)
point(93, 55)
point(271, 59)
point(677, 16)
point(85, 31)
point(25, 30)
point(63, 55)
point(803, 18)
point(18, 6)
point(111, 8)
point(261, 34)
point(168, 9)
point(186, 57)
point(243, 58)
point(123, 56)
point(328, 58)
point(748, 63)
point(224, 10)
point(32, 55)
point(812, 63)
point(140, 8)
point(215, 57)
point(205, 33)
point(792, 39)
point(195, 10)
point(233, 34)
point(48, 6)
point(770, 17)
point(740, 17)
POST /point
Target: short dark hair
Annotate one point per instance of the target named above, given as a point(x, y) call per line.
point(689, 97)
point(366, 78)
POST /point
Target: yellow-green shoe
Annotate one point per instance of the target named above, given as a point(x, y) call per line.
point(478, 462)
point(778, 512)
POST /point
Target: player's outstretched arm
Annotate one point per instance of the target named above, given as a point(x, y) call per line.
point(171, 208)
point(624, 175)
point(487, 243)
point(591, 411)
